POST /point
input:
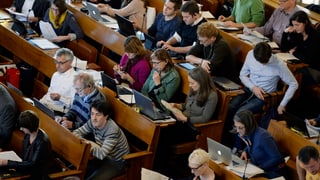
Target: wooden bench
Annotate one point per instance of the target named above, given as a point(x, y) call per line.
point(289, 143)
point(138, 129)
point(67, 146)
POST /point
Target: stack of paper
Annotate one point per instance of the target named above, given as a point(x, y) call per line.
point(43, 43)
point(286, 56)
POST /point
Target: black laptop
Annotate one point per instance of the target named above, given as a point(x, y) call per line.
point(125, 26)
point(149, 42)
point(43, 108)
point(226, 84)
point(298, 124)
point(19, 28)
point(110, 83)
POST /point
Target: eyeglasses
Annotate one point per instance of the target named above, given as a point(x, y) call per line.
point(156, 62)
point(194, 169)
point(60, 62)
point(80, 89)
point(238, 127)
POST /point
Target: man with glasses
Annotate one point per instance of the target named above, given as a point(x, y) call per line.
point(279, 20)
point(86, 93)
point(60, 93)
point(212, 52)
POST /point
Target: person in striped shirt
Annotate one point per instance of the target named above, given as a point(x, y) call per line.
point(109, 143)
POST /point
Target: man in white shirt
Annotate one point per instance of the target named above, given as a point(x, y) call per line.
point(61, 92)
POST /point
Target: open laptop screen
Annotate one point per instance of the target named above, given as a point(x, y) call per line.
point(125, 26)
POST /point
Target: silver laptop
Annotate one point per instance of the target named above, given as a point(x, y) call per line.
point(147, 108)
point(222, 154)
point(43, 108)
point(95, 13)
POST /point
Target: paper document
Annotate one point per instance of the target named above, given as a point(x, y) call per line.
point(207, 15)
point(47, 30)
point(4, 15)
point(220, 25)
point(147, 174)
point(251, 39)
point(78, 63)
point(286, 56)
point(249, 172)
point(169, 107)
point(10, 155)
point(19, 16)
point(43, 43)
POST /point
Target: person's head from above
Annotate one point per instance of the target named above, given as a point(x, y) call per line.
point(198, 161)
point(200, 82)
point(161, 61)
point(207, 33)
point(58, 7)
point(83, 84)
point(244, 123)
point(287, 5)
point(171, 7)
point(134, 47)
point(309, 159)
point(28, 122)
point(190, 12)
point(100, 111)
point(301, 22)
point(262, 52)
point(63, 59)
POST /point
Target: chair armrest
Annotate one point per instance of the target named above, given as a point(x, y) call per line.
point(137, 155)
point(209, 123)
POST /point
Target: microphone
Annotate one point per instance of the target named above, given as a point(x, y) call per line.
point(245, 168)
point(75, 64)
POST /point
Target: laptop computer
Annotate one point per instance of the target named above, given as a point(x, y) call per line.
point(19, 28)
point(147, 108)
point(149, 42)
point(298, 124)
point(95, 13)
point(43, 108)
point(222, 154)
point(187, 65)
point(226, 84)
point(125, 26)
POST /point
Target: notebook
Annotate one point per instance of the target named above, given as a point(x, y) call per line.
point(147, 108)
point(95, 13)
point(124, 93)
point(149, 42)
point(43, 108)
point(226, 84)
point(222, 154)
point(125, 26)
point(299, 125)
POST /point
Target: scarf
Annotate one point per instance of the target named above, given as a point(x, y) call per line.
point(57, 20)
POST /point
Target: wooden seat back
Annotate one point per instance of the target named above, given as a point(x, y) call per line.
point(72, 149)
point(140, 127)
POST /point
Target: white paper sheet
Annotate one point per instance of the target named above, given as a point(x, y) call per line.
point(10, 155)
point(43, 43)
point(47, 30)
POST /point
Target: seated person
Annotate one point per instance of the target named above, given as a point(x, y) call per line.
point(61, 92)
point(36, 148)
point(86, 93)
point(183, 39)
point(212, 52)
point(245, 12)
point(34, 10)
point(279, 20)
point(8, 116)
point(166, 22)
point(260, 74)
point(134, 67)
point(63, 23)
point(301, 40)
point(308, 163)
point(108, 146)
point(135, 10)
point(199, 165)
point(163, 80)
point(256, 144)
point(116, 4)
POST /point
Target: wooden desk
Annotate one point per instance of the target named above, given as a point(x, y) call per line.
point(221, 172)
point(36, 57)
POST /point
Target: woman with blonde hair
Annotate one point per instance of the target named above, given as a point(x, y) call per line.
point(199, 165)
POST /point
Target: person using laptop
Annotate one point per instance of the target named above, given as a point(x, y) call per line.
point(8, 116)
point(36, 148)
point(212, 52)
point(198, 162)
point(34, 10)
point(163, 80)
point(63, 22)
point(260, 74)
point(109, 144)
point(134, 67)
point(135, 10)
point(308, 163)
point(86, 93)
point(61, 92)
point(167, 22)
point(183, 39)
point(249, 13)
point(257, 145)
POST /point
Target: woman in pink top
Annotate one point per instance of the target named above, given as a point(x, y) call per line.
point(134, 67)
